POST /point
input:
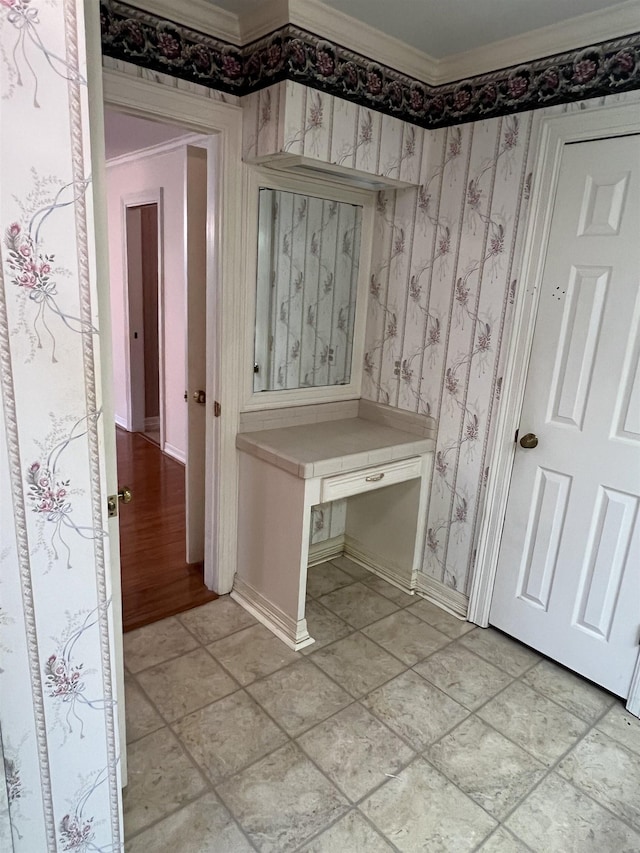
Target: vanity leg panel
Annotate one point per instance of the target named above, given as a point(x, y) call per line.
point(421, 525)
point(273, 546)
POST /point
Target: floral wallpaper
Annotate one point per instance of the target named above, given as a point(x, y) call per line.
point(443, 280)
point(291, 53)
point(308, 260)
point(57, 701)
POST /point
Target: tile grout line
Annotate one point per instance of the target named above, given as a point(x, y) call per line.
point(552, 768)
point(168, 725)
point(354, 805)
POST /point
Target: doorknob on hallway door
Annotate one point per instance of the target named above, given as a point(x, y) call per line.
point(200, 397)
point(124, 495)
point(529, 441)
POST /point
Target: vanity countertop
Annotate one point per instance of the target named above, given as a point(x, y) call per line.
point(330, 447)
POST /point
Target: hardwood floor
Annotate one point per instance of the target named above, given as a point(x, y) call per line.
point(156, 581)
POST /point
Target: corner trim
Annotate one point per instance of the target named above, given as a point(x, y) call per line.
point(329, 549)
point(294, 634)
point(448, 599)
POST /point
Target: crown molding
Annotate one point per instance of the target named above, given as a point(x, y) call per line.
point(156, 150)
point(326, 22)
point(584, 30)
point(199, 15)
point(264, 18)
point(356, 36)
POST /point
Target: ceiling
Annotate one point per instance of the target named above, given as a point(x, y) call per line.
point(443, 28)
point(125, 134)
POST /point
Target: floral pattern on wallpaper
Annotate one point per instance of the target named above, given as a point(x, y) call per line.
point(292, 118)
point(51, 495)
point(32, 267)
point(295, 54)
point(308, 264)
point(442, 277)
point(57, 704)
point(443, 281)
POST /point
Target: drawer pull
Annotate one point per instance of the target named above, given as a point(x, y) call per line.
point(374, 478)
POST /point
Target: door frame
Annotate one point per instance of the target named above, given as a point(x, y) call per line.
point(554, 133)
point(151, 100)
point(150, 196)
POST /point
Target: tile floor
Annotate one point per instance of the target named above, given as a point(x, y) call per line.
point(401, 728)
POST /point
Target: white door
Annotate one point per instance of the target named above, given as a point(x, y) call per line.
point(196, 355)
point(568, 580)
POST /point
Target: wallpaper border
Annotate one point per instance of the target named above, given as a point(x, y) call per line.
point(291, 53)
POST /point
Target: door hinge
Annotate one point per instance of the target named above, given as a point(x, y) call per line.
point(217, 409)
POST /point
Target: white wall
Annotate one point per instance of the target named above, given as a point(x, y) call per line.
point(150, 174)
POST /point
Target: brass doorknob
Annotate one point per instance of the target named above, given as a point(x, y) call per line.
point(200, 397)
point(529, 441)
point(124, 495)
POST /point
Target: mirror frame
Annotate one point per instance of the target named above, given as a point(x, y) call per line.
point(256, 178)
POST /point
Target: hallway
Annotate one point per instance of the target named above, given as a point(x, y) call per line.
point(156, 580)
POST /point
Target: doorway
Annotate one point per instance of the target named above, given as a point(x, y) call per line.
point(157, 204)
point(145, 383)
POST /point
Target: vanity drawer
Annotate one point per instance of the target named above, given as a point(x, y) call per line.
point(368, 479)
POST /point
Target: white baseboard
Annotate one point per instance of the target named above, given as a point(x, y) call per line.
point(178, 455)
point(354, 551)
point(329, 549)
point(152, 423)
point(435, 591)
point(293, 634)
point(121, 422)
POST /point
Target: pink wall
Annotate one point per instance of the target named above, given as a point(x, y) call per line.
point(124, 181)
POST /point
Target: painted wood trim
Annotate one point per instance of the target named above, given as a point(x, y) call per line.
point(633, 700)
point(555, 132)
point(100, 235)
point(293, 634)
point(151, 100)
point(174, 453)
point(329, 549)
point(581, 31)
point(254, 179)
point(437, 593)
point(157, 150)
point(199, 15)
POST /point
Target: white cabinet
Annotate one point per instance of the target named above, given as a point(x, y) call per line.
point(284, 472)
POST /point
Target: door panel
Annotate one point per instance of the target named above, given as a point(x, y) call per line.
point(568, 580)
point(196, 351)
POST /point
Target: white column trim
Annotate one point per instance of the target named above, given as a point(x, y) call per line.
point(149, 99)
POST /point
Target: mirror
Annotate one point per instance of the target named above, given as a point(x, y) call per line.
point(307, 279)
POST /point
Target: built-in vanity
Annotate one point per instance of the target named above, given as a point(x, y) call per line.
point(306, 438)
point(381, 469)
